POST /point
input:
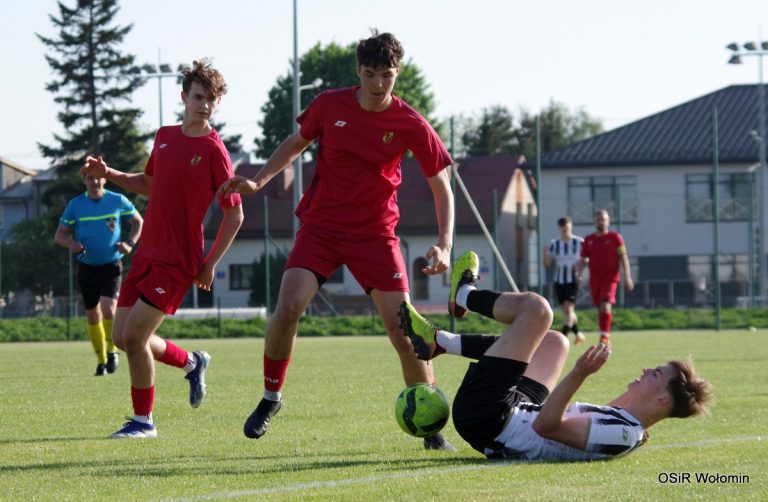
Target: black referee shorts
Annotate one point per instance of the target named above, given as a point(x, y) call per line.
point(491, 388)
point(97, 281)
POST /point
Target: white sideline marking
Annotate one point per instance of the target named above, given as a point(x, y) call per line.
point(475, 467)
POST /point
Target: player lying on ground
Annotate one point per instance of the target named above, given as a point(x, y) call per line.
point(504, 407)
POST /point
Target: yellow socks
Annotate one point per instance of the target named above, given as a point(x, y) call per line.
point(96, 334)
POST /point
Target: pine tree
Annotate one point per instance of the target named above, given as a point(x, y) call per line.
point(94, 83)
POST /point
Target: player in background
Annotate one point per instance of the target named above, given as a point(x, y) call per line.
point(604, 252)
point(510, 404)
point(91, 228)
point(349, 212)
point(187, 165)
point(565, 252)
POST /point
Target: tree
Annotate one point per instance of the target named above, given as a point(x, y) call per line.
point(494, 135)
point(559, 127)
point(94, 81)
point(335, 65)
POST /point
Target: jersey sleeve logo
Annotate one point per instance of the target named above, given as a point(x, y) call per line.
point(195, 160)
point(388, 137)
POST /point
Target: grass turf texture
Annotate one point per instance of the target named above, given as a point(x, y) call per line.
point(336, 437)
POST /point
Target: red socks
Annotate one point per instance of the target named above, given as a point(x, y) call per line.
point(142, 400)
point(174, 355)
point(274, 373)
point(605, 322)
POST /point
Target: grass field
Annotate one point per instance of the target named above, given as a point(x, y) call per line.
point(336, 438)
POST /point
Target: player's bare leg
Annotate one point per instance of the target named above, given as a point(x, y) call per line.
point(297, 288)
point(414, 370)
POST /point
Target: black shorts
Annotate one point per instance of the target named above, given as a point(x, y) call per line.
point(98, 281)
point(483, 403)
point(566, 292)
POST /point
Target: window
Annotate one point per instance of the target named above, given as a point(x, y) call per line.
point(733, 267)
point(615, 194)
point(736, 200)
point(240, 277)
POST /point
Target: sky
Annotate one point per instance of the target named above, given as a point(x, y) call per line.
point(617, 60)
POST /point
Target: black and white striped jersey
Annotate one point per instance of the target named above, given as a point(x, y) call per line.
point(566, 254)
point(613, 432)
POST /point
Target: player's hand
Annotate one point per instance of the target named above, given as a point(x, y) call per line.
point(124, 247)
point(96, 167)
point(238, 184)
point(205, 278)
point(629, 284)
point(592, 359)
point(77, 248)
point(440, 257)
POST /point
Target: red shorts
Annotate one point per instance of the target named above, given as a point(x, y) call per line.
point(375, 261)
point(162, 284)
point(603, 291)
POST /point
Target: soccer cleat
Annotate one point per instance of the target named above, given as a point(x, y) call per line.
point(135, 430)
point(422, 333)
point(605, 339)
point(257, 423)
point(465, 271)
point(438, 442)
point(101, 370)
point(196, 379)
point(580, 338)
point(112, 362)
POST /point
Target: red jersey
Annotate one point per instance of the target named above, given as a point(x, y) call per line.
point(186, 172)
point(603, 252)
point(354, 189)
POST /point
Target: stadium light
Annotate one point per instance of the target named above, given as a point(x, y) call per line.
point(751, 49)
point(298, 189)
point(161, 71)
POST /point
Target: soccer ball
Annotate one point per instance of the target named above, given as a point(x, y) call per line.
point(422, 410)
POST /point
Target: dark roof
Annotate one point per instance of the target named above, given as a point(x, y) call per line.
point(417, 209)
point(679, 135)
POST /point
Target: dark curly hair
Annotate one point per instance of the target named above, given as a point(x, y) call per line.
point(203, 73)
point(380, 50)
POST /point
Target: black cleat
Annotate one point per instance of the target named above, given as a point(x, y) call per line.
point(112, 362)
point(101, 370)
point(438, 442)
point(257, 424)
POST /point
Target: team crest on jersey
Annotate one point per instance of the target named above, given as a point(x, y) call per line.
point(388, 136)
point(111, 224)
point(195, 160)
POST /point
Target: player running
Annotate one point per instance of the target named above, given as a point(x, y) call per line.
point(187, 165)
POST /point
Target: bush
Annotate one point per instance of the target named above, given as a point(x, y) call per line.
point(46, 329)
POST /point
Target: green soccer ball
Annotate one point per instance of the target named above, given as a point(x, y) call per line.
point(422, 410)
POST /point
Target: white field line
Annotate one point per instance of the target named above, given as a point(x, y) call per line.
point(421, 472)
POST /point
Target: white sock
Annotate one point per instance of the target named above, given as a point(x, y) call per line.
point(191, 362)
point(451, 342)
point(272, 395)
point(144, 419)
point(462, 293)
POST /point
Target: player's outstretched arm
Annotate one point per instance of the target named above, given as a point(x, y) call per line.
point(133, 182)
point(550, 423)
point(230, 224)
point(440, 253)
point(281, 158)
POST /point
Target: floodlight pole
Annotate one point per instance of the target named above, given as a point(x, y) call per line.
point(759, 50)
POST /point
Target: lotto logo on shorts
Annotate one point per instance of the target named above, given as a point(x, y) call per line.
point(160, 291)
point(398, 275)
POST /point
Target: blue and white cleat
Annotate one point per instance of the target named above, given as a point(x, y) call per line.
point(196, 379)
point(135, 430)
